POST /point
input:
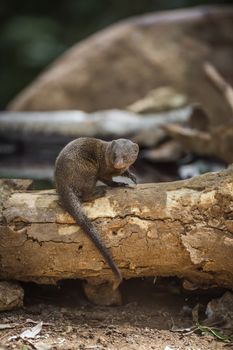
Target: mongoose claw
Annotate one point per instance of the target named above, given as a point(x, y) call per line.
point(133, 178)
point(122, 184)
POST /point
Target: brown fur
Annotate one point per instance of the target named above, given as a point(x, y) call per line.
point(79, 166)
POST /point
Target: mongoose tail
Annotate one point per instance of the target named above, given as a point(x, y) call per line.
point(73, 205)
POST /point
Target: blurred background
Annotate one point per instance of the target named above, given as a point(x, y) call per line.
point(34, 33)
point(153, 73)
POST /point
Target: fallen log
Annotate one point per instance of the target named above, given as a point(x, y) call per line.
point(55, 125)
point(181, 228)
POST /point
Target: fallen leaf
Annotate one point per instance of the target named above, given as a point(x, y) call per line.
point(32, 332)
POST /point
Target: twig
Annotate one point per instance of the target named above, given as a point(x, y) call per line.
point(216, 78)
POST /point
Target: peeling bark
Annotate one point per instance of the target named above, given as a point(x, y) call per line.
point(182, 228)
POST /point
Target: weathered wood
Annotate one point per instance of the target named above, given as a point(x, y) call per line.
point(180, 228)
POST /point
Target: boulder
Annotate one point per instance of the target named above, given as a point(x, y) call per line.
point(119, 65)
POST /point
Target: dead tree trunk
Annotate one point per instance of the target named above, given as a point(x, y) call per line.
point(181, 228)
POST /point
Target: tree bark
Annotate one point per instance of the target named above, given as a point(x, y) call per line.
point(182, 229)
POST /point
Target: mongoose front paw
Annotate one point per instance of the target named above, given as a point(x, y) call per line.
point(121, 184)
point(133, 178)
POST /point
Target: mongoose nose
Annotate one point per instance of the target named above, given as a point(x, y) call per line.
point(119, 164)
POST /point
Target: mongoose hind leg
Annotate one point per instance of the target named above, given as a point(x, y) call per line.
point(114, 183)
point(97, 193)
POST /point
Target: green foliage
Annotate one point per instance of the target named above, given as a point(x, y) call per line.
point(208, 330)
point(214, 332)
point(34, 40)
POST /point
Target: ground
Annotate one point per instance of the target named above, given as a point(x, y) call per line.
point(147, 320)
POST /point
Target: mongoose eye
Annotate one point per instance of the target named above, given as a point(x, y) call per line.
point(114, 157)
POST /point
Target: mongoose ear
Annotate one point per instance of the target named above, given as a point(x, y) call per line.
point(113, 143)
point(113, 154)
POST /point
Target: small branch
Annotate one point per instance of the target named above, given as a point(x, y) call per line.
point(222, 85)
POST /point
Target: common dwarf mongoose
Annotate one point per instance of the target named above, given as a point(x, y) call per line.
point(79, 166)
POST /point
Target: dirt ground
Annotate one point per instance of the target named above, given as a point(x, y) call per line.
point(146, 320)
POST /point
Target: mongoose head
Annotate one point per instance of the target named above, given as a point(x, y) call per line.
point(122, 153)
